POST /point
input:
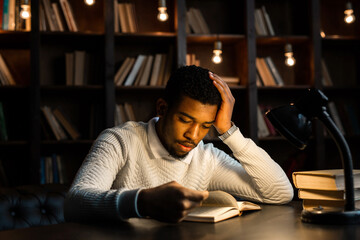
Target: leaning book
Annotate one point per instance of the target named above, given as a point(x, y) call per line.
point(331, 179)
point(219, 206)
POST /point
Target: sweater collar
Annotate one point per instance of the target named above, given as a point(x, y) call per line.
point(158, 150)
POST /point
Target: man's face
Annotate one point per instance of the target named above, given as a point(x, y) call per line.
point(183, 126)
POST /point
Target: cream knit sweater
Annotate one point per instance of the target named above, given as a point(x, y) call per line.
point(121, 161)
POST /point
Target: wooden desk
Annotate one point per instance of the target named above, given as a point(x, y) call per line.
point(272, 222)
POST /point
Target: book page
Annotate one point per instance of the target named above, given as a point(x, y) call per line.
point(220, 199)
point(247, 206)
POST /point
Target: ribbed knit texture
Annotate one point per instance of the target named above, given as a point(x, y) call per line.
point(121, 161)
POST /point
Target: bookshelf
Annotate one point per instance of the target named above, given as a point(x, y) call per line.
point(37, 59)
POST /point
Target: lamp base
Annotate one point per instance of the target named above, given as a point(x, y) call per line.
point(320, 216)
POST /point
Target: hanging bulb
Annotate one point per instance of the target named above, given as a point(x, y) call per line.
point(322, 34)
point(25, 12)
point(217, 58)
point(349, 13)
point(162, 15)
point(89, 2)
point(289, 55)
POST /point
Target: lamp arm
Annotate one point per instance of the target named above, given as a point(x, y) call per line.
point(346, 158)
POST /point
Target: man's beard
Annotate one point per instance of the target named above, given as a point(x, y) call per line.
point(175, 155)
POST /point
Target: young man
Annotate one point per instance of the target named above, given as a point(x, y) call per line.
point(162, 169)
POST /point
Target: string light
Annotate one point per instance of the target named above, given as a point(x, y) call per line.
point(289, 55)
point(162, 15)
point(349, 13)
point(217, 58)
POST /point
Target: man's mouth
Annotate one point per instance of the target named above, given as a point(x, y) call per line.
point(186, 147)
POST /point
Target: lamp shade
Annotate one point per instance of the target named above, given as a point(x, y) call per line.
point(292, 124)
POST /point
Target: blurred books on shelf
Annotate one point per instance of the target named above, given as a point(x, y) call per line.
point(52, 170)
point(196, 22)
point(56, 16)
point(263, 25)
point(125, 17)
point(65, 122)
point(268, 76)
point(192, 60)
point(6, 78)
point(59, 124)
point(124, 112)
point(10, 16)
point(346, 117)
point(76, 67)
point(144, 70)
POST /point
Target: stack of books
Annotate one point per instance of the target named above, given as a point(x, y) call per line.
point(325, 188)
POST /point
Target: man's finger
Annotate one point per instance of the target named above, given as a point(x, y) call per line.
point(197, 196)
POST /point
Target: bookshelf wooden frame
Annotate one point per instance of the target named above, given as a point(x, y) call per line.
point(245, 46)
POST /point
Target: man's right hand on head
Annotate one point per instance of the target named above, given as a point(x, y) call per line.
point(169, 202)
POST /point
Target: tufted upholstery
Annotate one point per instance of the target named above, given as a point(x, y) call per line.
point(31, 205)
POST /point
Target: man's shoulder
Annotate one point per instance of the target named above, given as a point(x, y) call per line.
point(131, 126)
point(129, 129)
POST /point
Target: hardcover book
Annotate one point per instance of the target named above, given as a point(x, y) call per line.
point(331, 179)
point(219, 206)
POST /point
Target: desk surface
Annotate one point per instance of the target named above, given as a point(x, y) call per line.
point(272, 222)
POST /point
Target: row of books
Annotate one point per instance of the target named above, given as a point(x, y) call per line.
point(57, 16)
point(125, 17)
point(267, 73)
point(10, 19)
point(265, 128)
point(59, 124)
point(6, 78)
point(263, 25)
point(191, 59)
point(52, 170)
point(144, 70)
point(75, 66)
point(124, 112)
point(346, 117)
point(324, 188)
point(3, 130)
point(195, 22)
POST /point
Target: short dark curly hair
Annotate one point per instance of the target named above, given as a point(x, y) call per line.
point(194, 82)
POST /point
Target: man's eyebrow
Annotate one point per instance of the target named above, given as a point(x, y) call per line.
point(191, 117)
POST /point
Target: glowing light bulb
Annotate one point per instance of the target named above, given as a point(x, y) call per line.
point(322, 34)
point(349, 13)
point(25, 11)
point(289, 56)
point(89, 2)
point(217, 58)
point(162, 15)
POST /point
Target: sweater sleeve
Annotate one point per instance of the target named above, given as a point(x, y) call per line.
point(254, 176)
point(90, 196)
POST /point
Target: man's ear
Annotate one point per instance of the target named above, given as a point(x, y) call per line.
point(161, 107)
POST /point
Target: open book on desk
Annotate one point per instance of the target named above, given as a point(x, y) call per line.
point(219, 206)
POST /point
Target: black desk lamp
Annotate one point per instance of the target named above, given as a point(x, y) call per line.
point(293, 121)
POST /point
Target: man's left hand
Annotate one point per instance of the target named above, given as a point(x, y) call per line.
point(223, 117)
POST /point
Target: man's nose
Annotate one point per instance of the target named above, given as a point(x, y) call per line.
point(193, 132)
